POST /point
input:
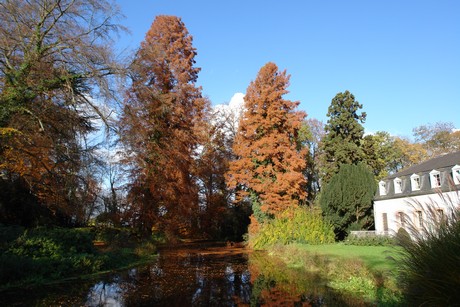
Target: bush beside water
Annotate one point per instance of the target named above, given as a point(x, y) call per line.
point(40, 255)
point(299, 225)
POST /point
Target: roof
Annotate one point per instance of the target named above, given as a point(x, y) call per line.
point(443, 161)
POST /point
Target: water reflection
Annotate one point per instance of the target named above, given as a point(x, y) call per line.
point(106, 294)
point(197, 275)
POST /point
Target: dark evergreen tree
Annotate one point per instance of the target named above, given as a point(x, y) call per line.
point(347, 199)
point(344, 135)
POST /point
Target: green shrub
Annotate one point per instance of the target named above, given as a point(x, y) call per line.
point(299, 225)
point(121, 237)
point(53, 243)
point(46, 254)
point(8, 234)
point(370, 240)
point(429, 266)
point(42, 254)
point(346, 200)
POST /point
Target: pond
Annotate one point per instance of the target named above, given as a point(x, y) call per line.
point(196, 274)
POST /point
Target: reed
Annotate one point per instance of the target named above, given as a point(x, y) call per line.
point(429, 266)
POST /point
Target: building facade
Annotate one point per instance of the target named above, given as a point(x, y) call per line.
point(411, 197)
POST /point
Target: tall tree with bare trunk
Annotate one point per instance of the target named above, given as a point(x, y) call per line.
point(55, 62)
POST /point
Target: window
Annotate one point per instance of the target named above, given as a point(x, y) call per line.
point(385, 222)
point(419, 218)
point(415, 182)
point(402, 219)
point(398, 185)
point(435, 179)
point(441, 216)
point(456, 174)
point(382, 188)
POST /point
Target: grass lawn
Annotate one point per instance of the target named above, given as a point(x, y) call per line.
point(378, 258)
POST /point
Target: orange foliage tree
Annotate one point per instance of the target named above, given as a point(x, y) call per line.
point(269, 158)
point(163, 113)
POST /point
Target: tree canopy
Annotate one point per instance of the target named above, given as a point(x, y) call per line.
point(269, 161)
point(162, 112)
point(342, 143)
point(55, 61)
point(437, 139)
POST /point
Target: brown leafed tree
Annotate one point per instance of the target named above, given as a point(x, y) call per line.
point(269, 164)
point(163, 112)
point(55, 57)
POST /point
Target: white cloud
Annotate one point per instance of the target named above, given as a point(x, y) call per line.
point(228, 115)
point(234, 107)
point(237, 101)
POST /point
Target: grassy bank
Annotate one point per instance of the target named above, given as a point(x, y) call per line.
point(367, 272)
point(376, 258)
point(42, 256)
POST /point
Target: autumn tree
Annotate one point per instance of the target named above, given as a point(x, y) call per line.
point(439, 138)
point(342, 143)
point(381, 153)
point(346, 200)
point(408, 153)
point(55, 60)
point(218, 217)
point(269, 163)
point(162, 113)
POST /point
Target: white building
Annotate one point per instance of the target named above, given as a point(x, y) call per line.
point(409, 196)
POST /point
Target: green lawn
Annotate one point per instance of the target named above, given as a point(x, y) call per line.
point(379, 258)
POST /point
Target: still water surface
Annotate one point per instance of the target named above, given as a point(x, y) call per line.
point(198, 274)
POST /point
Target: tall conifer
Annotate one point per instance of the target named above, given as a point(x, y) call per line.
point(344, 135)
point(269, 164)
point(163, 110)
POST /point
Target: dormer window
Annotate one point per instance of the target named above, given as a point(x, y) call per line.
point(415, 182)
point(435, 179)
point(398, 185)
point(382, 188)
point(456, 174)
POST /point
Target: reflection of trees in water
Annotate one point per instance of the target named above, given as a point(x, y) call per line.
point(105, 294)
point(274, 284)
point(204, 277)
point(183, 278)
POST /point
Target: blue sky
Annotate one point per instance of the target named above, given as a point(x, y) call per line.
point(400, 58)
